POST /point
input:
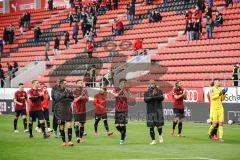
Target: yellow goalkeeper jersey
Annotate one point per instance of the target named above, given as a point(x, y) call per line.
point(216, 100)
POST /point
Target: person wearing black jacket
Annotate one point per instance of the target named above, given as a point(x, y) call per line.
point(2, 77)
point(71, 18)
point(56, 45)
point(115, 4)
point(37, 33)
point(50, 4)
point(60, 94)
point(197, 30)
point(190, 30)
point(5, 35)
point(28, 20)
point(235, 75)
point(153, 98)
point(66, 40)
point(21, 24)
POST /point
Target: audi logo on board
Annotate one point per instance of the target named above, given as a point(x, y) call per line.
point(192, 96)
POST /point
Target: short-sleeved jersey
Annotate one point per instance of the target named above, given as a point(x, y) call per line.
point(46, 99)
point(100, 103)
point(80, 105)
point(178, 103)
point(121, 104)
point(35, 100)
point(21, 97)
point(216, 98)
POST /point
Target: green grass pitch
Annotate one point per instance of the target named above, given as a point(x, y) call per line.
point(195, 146)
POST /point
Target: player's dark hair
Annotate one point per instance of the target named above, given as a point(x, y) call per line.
point(212, 83)
point(216, 79)
point(20, 84)
point(34, 81)
point(122, 80)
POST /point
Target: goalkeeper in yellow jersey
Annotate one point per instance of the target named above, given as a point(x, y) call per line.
point(217, 95)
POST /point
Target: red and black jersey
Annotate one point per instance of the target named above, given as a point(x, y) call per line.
point(100, 103)
point(178, 103)
point(35, 100)
point(79, 106)
point(121, 104)
point(46, 99)
point(21, 97)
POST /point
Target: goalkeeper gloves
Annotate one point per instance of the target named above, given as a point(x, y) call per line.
point(224, 91)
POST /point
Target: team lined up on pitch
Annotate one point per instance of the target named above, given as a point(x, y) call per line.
point(70, 106)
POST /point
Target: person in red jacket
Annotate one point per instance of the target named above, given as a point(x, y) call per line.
point(79, 109)
point(137, 46)
point(178, 94)
point(198, 15)
point(20, 98)
point(119, 27)
point(35, 108)
point(45, 109)
point(90, 48)
point(100, 110)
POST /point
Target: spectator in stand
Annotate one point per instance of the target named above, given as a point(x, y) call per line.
point(149, 2)
point(2, 77)
point(66, 39)
point(1, 47)
point(130, 12)
point(235, 75)
point(219, 19)
point(197, 30)
point(56, 45)
point(119, 27)
point(90, 48)
point(75, 32)
point(5, 35)
point(137, 46)
point(115, 4)
point(21, 25)
point(15, 69)
point(188, 16)
point(84, 27)
point(201, 5)
point(103, 6)
point(50, 4)
point(228, 2)
point(28, 20)
point(209, 12)
point(11, 33)
point(71, 18)
point(87, 79)
point(93, 75)
point(71, 3)
point(209, 25)
point(210, 3)
point(47, 46)
point(89, 36)
point(157, 16)
point(190, 30)
point(150, 17)
point(10, 70)
point(109, 5)
point(198, 14)
point(37, 33)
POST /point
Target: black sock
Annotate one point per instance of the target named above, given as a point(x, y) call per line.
point(123, 132)
point(81, 131)
point(42, 125)
point(180, 127)
point(160, 131)
point(152, 133)
point(77, 131)
point(30, 128)
point(214, 131)
point(96, 124)
point(39, 125)
point(174, 124)
point(55, 125)
point(62, 132)
point(106, 125)
point(119, 128)
point(48, 123)
point(69, 134)
point(15, 123)
point(25, 123)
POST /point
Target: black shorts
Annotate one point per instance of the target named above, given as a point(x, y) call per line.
point(46, 114)
point(179, 113)
point(80, 117)
point(33, 115)
point(102, 116)
point(121, 117)
point(21, 112)
point(155, 119)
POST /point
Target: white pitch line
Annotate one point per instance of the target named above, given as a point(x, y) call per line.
point(193, 158)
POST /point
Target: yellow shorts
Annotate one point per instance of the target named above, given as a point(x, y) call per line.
point(217, 115)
